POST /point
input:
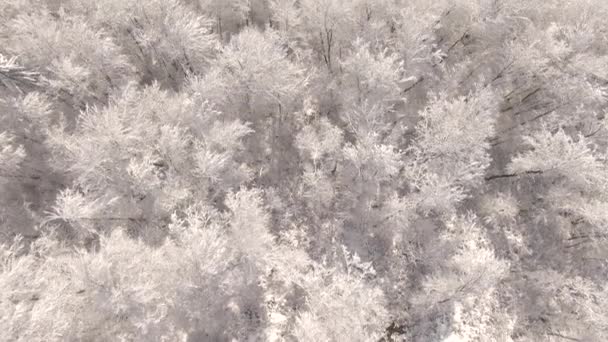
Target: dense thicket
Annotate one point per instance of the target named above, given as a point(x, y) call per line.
point(303, 170)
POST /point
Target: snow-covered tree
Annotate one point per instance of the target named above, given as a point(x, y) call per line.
point(303, 170)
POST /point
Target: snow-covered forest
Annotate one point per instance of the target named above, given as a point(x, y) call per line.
point(304, 170)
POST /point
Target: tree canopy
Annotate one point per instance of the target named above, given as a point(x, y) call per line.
point(303, 170)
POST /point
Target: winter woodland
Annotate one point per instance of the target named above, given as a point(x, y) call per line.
point(304, 170)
